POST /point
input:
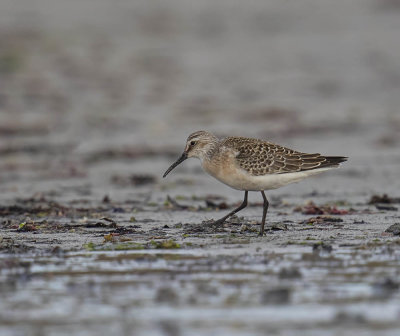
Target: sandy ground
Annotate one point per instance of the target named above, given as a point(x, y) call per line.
point(96, 101)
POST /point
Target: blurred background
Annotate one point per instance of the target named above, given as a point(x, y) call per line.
point(97, 98)
point(83, 78)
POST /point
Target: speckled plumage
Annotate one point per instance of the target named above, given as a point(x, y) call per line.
point(260, 157)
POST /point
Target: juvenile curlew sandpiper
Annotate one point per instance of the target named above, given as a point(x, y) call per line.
point(252, 164)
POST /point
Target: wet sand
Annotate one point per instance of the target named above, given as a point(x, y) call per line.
point(96, 102)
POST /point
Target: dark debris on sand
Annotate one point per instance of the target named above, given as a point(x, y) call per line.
point(384, 199)
point(322, 220)
point(207, 226)
point(9, 245)
point(395, 229)
point(312, 209)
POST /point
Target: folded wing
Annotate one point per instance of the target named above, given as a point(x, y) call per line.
point(259, 157)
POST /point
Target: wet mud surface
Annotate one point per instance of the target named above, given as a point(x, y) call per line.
point(144, 268)
point(94, 109)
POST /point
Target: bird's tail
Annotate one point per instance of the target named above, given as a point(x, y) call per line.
point(333, 161)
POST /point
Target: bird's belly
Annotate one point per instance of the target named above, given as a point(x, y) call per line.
point(241, 180)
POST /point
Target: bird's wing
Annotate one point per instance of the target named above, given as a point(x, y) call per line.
point(259, 157)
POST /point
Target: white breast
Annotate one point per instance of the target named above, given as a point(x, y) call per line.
point(239, 179)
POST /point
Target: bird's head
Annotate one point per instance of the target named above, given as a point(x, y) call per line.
point(198, 144)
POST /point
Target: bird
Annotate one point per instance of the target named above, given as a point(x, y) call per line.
point(250, 164)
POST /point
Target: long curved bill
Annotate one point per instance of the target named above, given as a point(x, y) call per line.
point(177, 162)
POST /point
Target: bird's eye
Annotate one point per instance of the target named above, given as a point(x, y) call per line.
point(192, 143)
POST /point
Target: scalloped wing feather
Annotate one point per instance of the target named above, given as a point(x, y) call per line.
point(259, 157)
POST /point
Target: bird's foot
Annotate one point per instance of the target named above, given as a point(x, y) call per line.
point(214, 223)
point(219, 222)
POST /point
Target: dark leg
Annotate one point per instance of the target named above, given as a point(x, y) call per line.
point(266, 203)
point(241, 206)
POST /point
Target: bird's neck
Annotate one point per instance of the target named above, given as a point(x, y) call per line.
point(210, 151)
